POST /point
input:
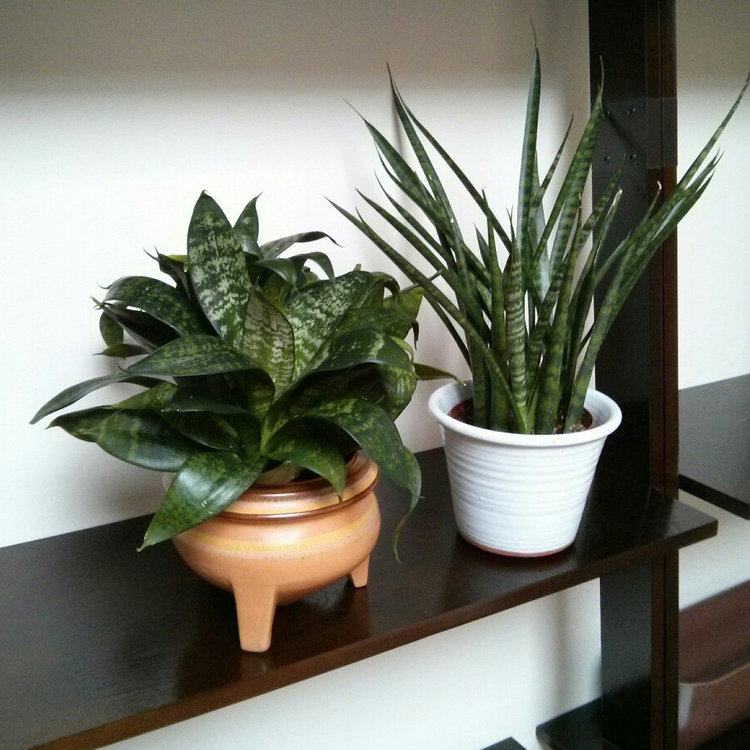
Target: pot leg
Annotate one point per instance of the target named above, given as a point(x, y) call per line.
point(359, 575)
point(256, 606)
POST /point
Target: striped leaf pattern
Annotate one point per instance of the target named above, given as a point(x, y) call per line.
point(249, 367)
point(520, 319)
point(159, 300)
point(218, 270)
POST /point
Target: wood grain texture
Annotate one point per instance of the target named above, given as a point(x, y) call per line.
point(99, 642)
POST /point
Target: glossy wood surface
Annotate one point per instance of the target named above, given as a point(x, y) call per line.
point(715, 443)
point(632, 45)
point(99, 642)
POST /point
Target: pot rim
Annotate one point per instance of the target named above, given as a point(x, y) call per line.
point(282, 495)
point(606, 413)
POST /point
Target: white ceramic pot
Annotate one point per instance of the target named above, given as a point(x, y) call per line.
point(520, 495)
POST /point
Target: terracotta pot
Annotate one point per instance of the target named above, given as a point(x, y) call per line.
point(275, 545)
point(520, 495)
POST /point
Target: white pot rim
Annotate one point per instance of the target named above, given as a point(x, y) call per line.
point(606, 413)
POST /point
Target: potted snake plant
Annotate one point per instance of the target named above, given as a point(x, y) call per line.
point(268, 396)
point(524, 435)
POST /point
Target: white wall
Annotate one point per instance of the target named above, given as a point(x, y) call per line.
point(714, 246)
point(114, 116)
point(120, 113)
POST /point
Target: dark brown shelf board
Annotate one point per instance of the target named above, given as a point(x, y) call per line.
point(580, 729)
point(736, 738)
point(99, 643)
point(509, 744)
point(715, 443)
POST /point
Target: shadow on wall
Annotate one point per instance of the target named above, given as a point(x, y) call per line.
point(233, 44)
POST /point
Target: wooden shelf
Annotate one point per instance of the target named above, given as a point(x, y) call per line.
point(509, 744)
point(99, 643)
point(715, 443)
point(581, 729)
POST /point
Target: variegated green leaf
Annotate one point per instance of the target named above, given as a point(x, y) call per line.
point(217, 270)
point(388, 318)
point(407, 304)
point(268, 340)
point(192, 355)
point(292, 443)
point(205, 485)
point(84, 424)
point(319, 259)
point(185, 400)
point(316, 312)
point(209, 430)
point(159, 300)
point(175, 266)
point(123, 351)
point(143, 439)
point(365, 346)
point(285, 268)
point(112, 334)
point(398, 388)
point(145, 329)
point(75, 392)
point(371, 427)
point(274, 248)
point(156, 398)
point(246, 228)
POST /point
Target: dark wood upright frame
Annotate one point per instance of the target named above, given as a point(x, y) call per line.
point(634, 43)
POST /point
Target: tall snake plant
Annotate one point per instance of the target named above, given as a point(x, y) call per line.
point(250, 369)
point(525, 319)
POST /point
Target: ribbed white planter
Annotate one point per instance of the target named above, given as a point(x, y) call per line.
point(520, 495)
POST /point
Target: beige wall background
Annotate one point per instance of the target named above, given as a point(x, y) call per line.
point(113, 117)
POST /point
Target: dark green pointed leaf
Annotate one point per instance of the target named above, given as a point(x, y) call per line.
point(144, 328)
point(85, 424)
point(143, 439)
point(398, 388)
point(175, 266)
point(123, 351)
point(407, 304)
point(311, 451)
point(319, 259)
point(274, 248)
point(209, 430)
point(155, 398)
point(268, 340)
point(160, 300)
point(427, 372)
point(205, 485)
point(192, 355)
point(288, 271)
point(75, 392)
point(246, 228)
point(316, 312)
point(389, 319)
point(189, 401)
point(372, 429)
point(216, 264)
point(365, 346)
point(112, 333)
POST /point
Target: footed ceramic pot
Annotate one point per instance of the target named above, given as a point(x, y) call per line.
point(275, 545)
